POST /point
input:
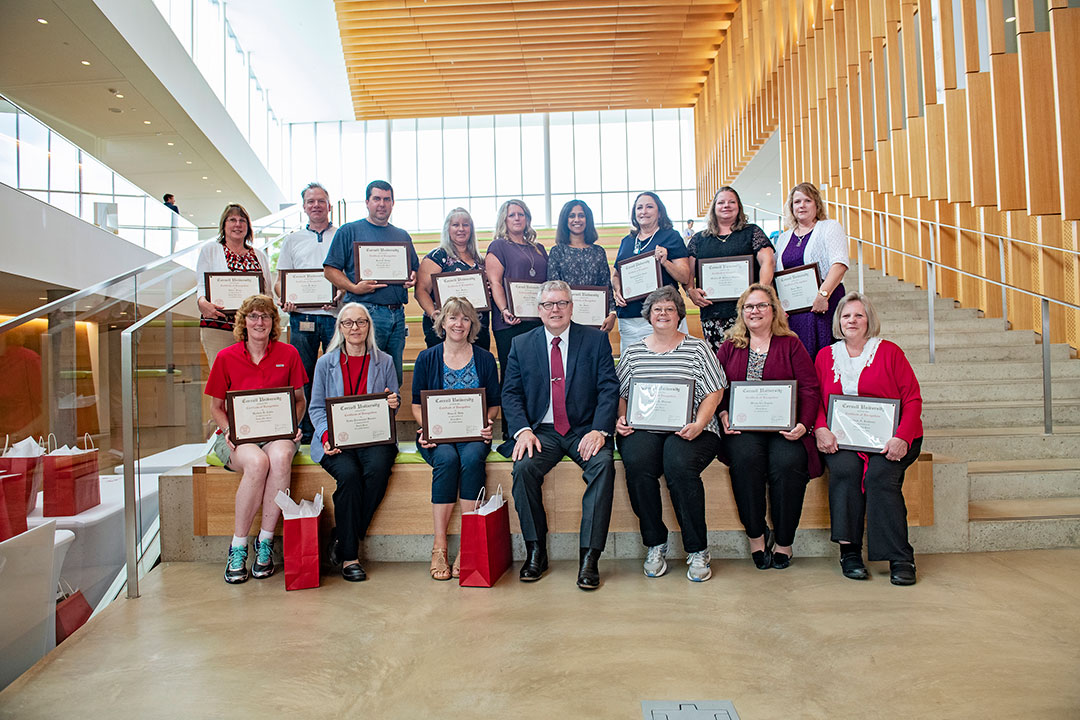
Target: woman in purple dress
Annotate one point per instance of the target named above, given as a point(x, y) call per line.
point(814, 239)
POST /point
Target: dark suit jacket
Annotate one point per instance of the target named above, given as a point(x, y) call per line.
point(592, 388)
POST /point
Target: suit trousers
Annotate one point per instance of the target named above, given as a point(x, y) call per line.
point(362, 475)
point(882, 503)
point(648, 455)
point(768, 458)
point(599, 477)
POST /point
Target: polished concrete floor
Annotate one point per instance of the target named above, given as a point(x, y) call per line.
point(993, 635)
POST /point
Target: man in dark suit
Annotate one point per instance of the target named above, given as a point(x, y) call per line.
point(561, 397)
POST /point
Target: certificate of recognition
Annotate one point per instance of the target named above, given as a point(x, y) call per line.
point(469, 284)
point(768, 405)
point(453, 415)
point(590, 304)
point(863, 423)
point(640, 275)
point(306, 288)
point(797, 288)
point(360, 420)
point(231, 289)
point(725, 278)
point(656, 404)
point(521, 297)
point(383, 262)
point(261, 415)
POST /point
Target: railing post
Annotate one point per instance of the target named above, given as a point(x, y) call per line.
point(131, 535)
point(931, 289)
point(1048, 405)
point(1004, 292)
point(858, 245)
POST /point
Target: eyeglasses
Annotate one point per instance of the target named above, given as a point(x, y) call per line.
point(259, 317)
point(757, 306)
point(350, 324)
point(664, 310)
point(561, 304)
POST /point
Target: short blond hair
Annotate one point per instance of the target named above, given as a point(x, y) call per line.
point(873, 325)
point(811, 191)
point(256, 302)
point(453, 306)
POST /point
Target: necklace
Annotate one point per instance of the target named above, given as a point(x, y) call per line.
point(528, 254)
point(724, 238)
point(801, 239)
point(640, 245)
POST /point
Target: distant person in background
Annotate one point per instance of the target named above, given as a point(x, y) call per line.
point(576, 259)
point(689, 231)
point(312, 328)
point(170, 202)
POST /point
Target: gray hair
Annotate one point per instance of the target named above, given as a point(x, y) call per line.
point(873, 325)
point(313, 186)
point(554, 286)
point(339, 337)
point(665, 293)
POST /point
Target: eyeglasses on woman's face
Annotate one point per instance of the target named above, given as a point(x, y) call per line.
point(258, 317)
point(350, 324)
point(761, 307)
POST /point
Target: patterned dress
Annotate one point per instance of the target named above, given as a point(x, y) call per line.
point(246, 261)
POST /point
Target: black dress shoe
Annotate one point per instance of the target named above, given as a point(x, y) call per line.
point(780, 560)
point(536, 561)
point(902, 572)
point(353, 573)
point(589, 576)
point(763, 558)
point(852, 566)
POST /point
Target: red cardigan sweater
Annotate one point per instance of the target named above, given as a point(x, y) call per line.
point(787, 360)
point(889, 375)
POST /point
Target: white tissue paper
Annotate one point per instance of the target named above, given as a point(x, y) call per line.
point(27, 447)
point(493, 503)
point(306, 508)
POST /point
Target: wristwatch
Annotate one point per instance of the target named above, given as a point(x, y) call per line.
point(823, 293)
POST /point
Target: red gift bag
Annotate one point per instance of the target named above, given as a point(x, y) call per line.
point(32, 467)
point(301, 547)
point(12, 505)
point(485, 543)
point(72, 482)
point(71, 614)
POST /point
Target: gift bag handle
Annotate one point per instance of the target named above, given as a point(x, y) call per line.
point(481, 496)
point(50, 441)
point(61, 584)
point(88, 442)
point(7, 439)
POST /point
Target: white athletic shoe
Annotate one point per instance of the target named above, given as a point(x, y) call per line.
point(699, 570)
point(655, 564)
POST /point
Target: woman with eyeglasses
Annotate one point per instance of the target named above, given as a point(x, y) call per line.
point(257, 361)
point(760, 348)
point(653, 233)
point(353, 365)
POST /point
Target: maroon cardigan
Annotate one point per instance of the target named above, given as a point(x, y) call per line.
point(787, 360)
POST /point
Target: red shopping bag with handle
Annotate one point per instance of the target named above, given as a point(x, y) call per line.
point(25, 457)
point(301, 541)
point(72, 483)
point(72, 612)
point(485, 542)
point(12, 505)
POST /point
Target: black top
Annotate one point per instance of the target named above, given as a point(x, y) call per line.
point(747, 241)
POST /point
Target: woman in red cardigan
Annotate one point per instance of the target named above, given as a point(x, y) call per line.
point(761, 347)
point(865, 365)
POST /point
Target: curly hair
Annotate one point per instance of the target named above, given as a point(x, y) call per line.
point(261, 303)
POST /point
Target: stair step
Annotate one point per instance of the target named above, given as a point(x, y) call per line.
point(993, 467)
point(972, 443)
point(1024, 509)
point(920, 353)
point(950, 372)
point(1015, 389)
point(977, 338)
point(994, 415)
point(1023, 478)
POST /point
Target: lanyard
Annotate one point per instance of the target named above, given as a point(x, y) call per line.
point(354, 387)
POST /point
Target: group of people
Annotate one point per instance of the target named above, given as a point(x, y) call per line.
point(556, 385)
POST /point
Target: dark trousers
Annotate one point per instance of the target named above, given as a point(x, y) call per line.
point(647, 455)
point(599, 477)
point(307, 344)
point(768, 458)
point(362, 475)
point(883, 500)
point(503, 339)
point(457, 470)
point(483, 339)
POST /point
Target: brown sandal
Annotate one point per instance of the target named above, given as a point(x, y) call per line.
point(456, 570)
point(440, 569)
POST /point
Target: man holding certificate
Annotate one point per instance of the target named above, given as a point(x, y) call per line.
point(257, 362)
point(661, 433)
point(560, 397)
point(868, 445)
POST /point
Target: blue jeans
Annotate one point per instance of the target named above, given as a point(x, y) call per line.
point(457, 470)
point(307, 344)
point(389, 331)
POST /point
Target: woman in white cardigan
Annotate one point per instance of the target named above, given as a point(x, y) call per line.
point(813, 238)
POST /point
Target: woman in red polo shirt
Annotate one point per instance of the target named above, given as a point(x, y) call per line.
point(256, 362)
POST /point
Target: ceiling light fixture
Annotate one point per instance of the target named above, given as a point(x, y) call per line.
point(85, 62)
point(120, 95)
point(1011, 19)
point(171, 144)
point(145, 122)
point(43, 21)
point(188, 162)
point(203, 177)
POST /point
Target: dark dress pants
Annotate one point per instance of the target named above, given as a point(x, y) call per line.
point(760, 459)
point(599, 477)
point(648, 455)
point(362, 475)
point(882, 504)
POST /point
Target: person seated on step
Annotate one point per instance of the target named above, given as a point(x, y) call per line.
point(865, 365)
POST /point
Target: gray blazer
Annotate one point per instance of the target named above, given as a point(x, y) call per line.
point(329, 384)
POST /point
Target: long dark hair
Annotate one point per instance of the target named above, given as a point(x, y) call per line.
point(665, 221)
point(562, 230)
point(740, 220)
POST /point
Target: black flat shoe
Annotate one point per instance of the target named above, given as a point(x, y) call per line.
point(353, 573)
point(536, 562)
point(589, 576)
point(901, 572)
point(763, 558)
point(852, 566)
point(780, 560)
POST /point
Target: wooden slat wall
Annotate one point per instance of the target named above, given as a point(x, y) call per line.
point(988, 142)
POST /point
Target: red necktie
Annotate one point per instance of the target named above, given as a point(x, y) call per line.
point(558, 389)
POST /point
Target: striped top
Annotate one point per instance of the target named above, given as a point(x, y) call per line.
point(689, 360)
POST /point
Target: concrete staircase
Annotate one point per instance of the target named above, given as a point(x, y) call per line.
point(983, 405)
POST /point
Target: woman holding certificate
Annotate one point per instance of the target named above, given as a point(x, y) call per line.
point(653, 235)
point(257, 361)
point(728, 234)
point(862, 365)
point(456, 253)
point(813, 239)
point(659, 432)
point(458, 468)
point(233, 253)
point(353, 365)
point(576, 259)
point(767, 420)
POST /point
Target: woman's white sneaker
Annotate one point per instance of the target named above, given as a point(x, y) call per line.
point(699, 570)
point(655, 564)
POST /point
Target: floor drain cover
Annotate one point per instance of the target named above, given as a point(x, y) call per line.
point(688, 710)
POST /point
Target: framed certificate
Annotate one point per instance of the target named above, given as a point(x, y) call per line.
point(797, 288)
point(231, 289)
point(453, 415)
point(768, 405)
point(469, 284)
point(261, 415)
point(725, 278)
point(640, 275)
point(306, 288)
point(590, 304)
point(863, 423)
point(383, 262)
point(660, 404)
point(521, 297)
point(360, 420)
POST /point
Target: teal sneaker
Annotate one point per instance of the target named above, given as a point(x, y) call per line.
point(263, 567)
point(236, 567)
